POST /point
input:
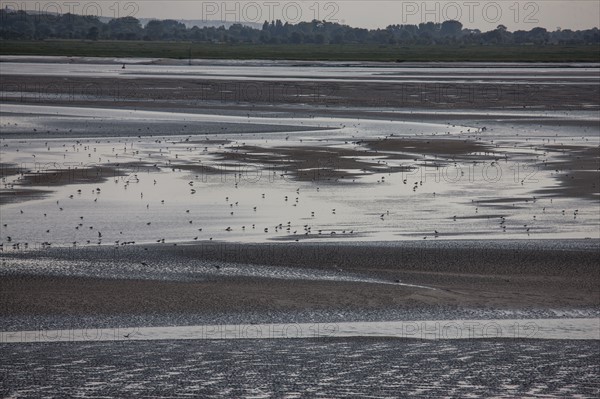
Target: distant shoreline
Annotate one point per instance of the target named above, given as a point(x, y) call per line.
point(306, 52)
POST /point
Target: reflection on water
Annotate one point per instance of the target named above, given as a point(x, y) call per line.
point(375, 179)
point(585, 74)
point(562, 329)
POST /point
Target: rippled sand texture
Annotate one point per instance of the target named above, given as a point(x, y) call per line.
point(299, 368)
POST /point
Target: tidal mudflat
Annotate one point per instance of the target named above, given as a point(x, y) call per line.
point(164, 195)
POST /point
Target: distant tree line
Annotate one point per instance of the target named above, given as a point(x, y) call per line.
point(20, 25)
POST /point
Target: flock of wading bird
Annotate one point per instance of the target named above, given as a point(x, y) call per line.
point(294, 231)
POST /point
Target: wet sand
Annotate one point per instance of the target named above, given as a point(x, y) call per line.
point(93, 287)
point(13, 196)
point(579, 172)
point(458, 90)
point(353, 368)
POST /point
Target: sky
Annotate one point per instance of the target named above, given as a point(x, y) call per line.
point(476, 14)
